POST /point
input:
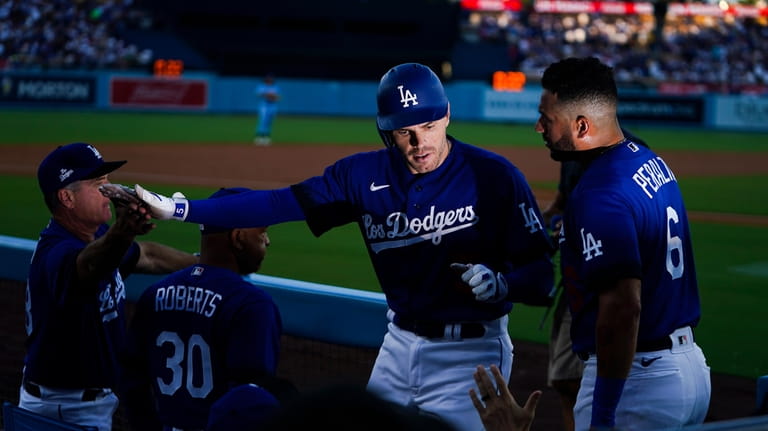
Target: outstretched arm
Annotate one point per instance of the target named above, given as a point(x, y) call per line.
point(103, 255)
point(248, 209)
point(156, 258)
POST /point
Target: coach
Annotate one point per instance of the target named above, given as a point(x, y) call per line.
point(75, 319)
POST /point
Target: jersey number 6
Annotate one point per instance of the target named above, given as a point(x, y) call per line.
point(674, 243)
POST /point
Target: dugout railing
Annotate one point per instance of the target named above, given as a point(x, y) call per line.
point(331, 336)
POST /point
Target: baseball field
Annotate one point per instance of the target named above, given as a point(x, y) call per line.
point(723, 175)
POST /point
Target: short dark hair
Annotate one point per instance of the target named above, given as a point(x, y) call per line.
point(580, 80)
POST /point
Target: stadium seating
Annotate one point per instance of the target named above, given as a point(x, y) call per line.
point(17, 419)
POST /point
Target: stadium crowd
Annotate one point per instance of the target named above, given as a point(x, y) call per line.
point(725, 53)
point(65, 34)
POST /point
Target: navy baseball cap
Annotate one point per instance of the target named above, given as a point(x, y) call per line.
point(209, 228)
point(246, 406)
point(409, 94)
point(72, 162)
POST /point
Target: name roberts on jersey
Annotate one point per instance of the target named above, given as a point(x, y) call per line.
point(653, 174)
point(187, 298)
point(431, 227)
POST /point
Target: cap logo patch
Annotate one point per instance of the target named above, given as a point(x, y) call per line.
point(95, 152)
point(64, 173)
point(406, 96)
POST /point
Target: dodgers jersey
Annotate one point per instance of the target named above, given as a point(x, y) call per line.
point(75, 333)
point(195, 334)
point(475, 208)
point(626, 219)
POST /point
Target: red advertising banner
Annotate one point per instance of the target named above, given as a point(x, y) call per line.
point(158, 93)
point(618, 7)
point(681, 88)
point(513, 5)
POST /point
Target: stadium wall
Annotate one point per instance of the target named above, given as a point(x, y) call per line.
point(331, 334)
point(317, 311)
point(471, 100)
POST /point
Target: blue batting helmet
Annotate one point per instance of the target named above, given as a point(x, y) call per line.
point(409, 94)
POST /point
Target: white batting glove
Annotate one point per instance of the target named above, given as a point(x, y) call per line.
point(487, 286)
point(162, 207)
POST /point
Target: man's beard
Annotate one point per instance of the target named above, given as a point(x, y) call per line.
point(565, 151)
point(578, 156)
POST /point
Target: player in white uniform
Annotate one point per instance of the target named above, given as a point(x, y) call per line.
point(453, 232)
point(627, 263)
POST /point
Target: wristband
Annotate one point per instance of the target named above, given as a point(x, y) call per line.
point(605, 399)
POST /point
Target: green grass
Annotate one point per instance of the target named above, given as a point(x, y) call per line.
point(103, 128)
point(733, 303)
point(731, 260)
point(732, 194)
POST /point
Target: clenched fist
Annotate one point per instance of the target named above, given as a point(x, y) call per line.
point(487, 286)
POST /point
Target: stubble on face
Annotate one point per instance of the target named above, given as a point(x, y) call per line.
point(564, 143)
point(553, 124)
point(424, 146)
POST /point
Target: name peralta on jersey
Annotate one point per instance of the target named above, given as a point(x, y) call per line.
point(626, 219)
point(475, 208)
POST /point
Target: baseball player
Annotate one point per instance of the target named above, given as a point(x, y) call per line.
point(269, 94)
point(627, 262)
point(201, 331)
point(453, 232)
point(75, 320)
point(565, 367)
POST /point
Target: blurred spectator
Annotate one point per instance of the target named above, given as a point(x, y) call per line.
point(723, 52)
point(53, 34)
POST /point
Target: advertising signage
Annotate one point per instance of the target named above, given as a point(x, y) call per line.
point(30, 89)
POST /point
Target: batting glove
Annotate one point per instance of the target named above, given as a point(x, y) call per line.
point(162, 207)
point(487, 286)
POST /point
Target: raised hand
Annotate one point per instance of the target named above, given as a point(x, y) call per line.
point(496, 406)
point(163, 207)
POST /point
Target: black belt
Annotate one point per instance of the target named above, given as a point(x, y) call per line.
point(432, 329)
point(653, 345)
point(89, 394)
point(642, 346)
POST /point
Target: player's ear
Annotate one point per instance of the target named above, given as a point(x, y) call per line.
point(236, 238)
point(66, 197)
point(582, 126)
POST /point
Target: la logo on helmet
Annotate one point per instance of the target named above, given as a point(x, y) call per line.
point(407, 97)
